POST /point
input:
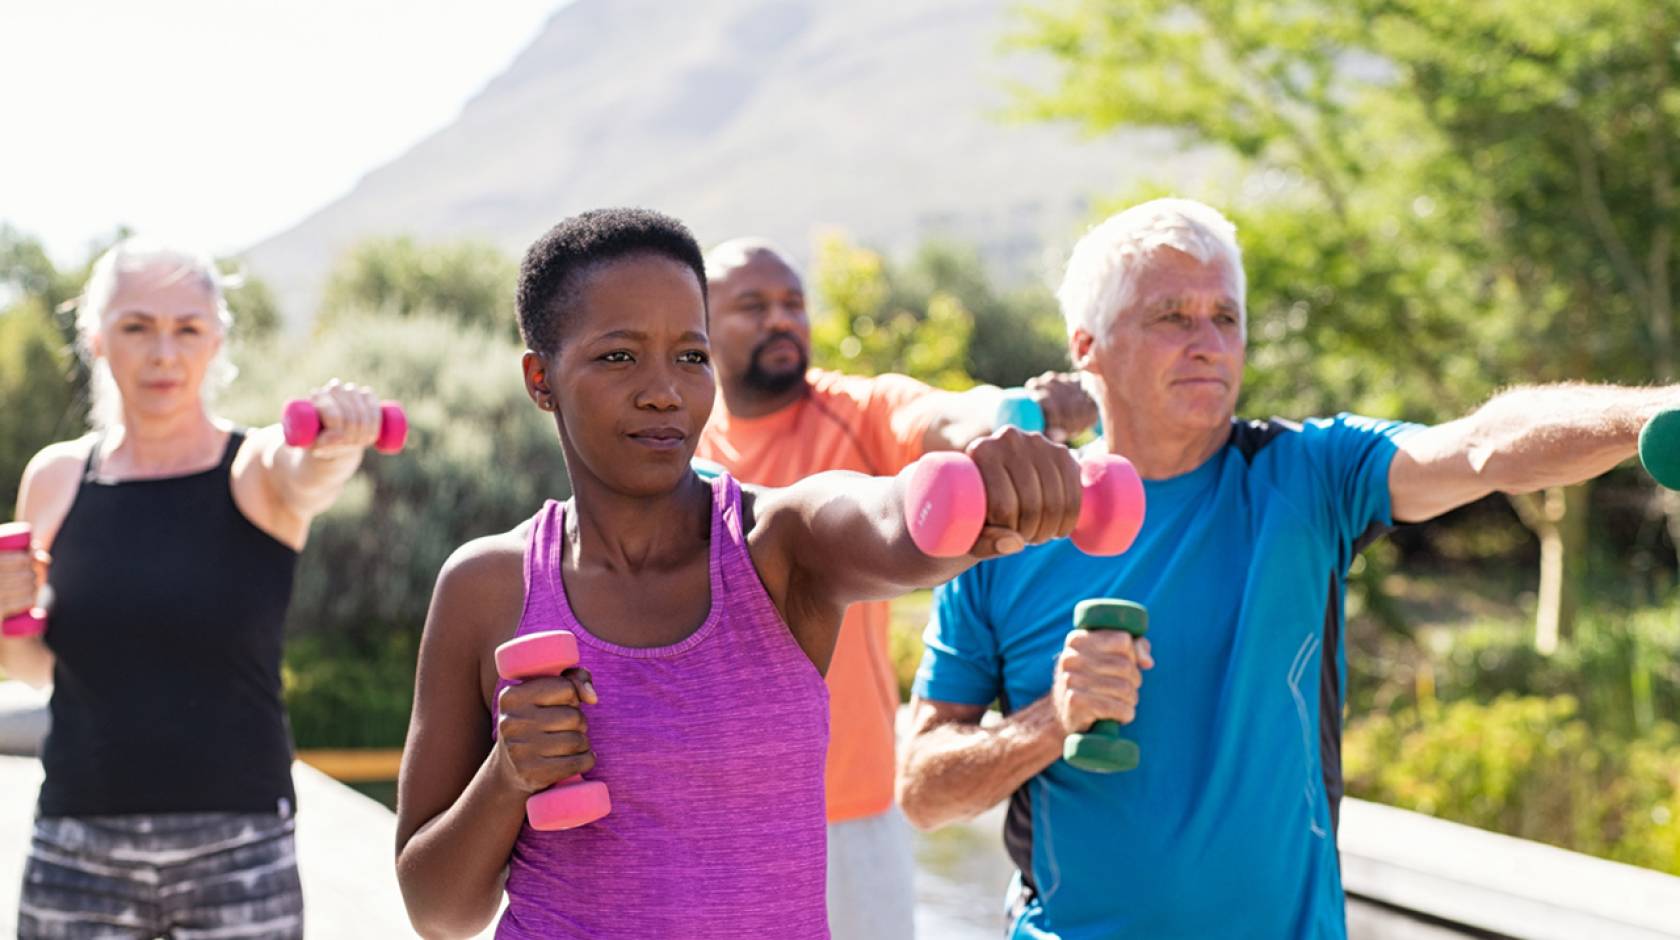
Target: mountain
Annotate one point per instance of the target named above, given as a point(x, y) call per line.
point(780, 118)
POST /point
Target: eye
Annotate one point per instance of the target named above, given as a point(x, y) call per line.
point(618, 355)
point(132, 327)
point(697, 357)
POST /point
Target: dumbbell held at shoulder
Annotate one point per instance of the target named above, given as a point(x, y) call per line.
point(542, 735)
point(21, 574)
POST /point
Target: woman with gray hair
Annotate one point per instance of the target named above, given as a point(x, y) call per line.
point(174, 535)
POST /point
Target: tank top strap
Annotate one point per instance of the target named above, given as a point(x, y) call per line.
point(729, 532)
point(541, 559)
point(236, 438)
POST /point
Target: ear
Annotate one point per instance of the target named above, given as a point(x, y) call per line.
point(535, 368)
point(1082, 349)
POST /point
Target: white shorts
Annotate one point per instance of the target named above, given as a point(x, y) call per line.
point(871, 878)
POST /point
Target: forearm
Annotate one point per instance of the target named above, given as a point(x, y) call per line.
point(27, 659)
point(452, 869)
point(307, 480)
point(960, 417)
point(1526, 439)
point(955, 771)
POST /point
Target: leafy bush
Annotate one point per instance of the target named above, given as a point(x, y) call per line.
point(480, 458)
point(1527, 767)
point(341, 696)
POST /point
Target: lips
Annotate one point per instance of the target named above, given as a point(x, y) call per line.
point(659, 438)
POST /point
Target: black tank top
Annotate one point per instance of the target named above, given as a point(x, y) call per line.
point(166, 624)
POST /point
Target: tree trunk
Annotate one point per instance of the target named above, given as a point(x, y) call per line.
point(1558, 517)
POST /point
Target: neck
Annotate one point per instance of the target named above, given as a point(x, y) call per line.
point(743, 401)
point(621, 533)
point(158, 445)
point(1157, 451)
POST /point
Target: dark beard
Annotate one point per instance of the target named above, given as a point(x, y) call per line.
point(778, 382)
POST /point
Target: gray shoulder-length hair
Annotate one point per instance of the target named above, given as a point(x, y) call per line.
point(127, 257)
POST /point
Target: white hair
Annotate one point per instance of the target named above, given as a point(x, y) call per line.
point(1102, 271)
point(129, 256)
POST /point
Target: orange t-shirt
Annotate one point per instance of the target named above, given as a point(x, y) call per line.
point(847, 422)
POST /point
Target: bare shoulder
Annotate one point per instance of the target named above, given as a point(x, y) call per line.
point(476, 605)
point(49, 483)
point(485, 573)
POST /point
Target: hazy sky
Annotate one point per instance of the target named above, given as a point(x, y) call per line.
point(214, 123)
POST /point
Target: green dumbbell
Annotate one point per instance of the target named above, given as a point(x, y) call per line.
point(1101, 749)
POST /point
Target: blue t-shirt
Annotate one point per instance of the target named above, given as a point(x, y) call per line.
point(1227, 828)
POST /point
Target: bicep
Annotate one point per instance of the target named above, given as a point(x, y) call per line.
point(1435, 470)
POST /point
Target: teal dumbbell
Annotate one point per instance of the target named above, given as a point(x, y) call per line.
point(1659, 448)
point(1101, 749)
point(1019, 409)
point(706, 469)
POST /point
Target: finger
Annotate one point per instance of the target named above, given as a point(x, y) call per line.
point(1001, 507)
point(562, 744)
point(584, 683)
point(1029, 495)
point(547, 690)
point(1072, 494)
point(1104, 688)
point(1146, 658)
point(331, 412)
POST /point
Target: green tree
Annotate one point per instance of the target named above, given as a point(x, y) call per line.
point(937, 317)
point(470, 282)
point(1441, 197)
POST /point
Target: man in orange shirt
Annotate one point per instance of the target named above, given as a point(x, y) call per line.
point(777, 420)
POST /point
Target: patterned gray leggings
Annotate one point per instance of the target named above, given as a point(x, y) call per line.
point(185, 876)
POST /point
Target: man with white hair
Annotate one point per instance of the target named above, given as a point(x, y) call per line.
point(1227, 827)
point(777, 421)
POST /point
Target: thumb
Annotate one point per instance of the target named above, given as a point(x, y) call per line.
point(996, 540)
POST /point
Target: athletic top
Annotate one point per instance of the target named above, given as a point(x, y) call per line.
point(1227, 829)
point(166, 631)
point(844, 422)
point(711, 749)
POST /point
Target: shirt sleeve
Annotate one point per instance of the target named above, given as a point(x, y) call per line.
point(892, 426)
point(1354, 453)
point(960, 660)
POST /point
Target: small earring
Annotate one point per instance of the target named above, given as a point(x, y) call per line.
point(547, 404)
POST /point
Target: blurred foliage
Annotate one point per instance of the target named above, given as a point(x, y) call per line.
point(340, 694)
point(1527, 767)
point(937, 318)
point(480, 458)
point(469, 282)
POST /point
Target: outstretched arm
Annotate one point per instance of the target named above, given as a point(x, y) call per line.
point(837, 538)
point(1522, 440)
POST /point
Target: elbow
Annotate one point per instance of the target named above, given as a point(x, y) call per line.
point(435, 923)
point(437, 913)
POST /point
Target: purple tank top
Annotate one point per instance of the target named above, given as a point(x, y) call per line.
point(712, 749)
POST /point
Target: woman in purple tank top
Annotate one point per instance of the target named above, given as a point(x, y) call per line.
point(705, 614)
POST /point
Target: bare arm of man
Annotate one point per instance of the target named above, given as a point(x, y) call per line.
point(961, 417)
point(1522, 440)
point(837, 538)
point(954, 766)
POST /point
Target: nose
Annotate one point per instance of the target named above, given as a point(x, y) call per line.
point(1208, 341)
point(661, 392)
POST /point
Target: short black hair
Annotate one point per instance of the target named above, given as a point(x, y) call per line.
point(557, 263)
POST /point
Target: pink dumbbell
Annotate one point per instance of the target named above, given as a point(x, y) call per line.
point(14, 537)
point(572, 802)
point(945, 503)
point(301, 424)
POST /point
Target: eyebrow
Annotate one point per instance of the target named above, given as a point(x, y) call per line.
point(147, 315)
point(691, 336)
